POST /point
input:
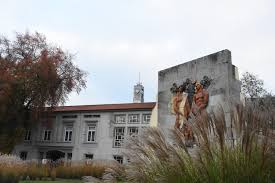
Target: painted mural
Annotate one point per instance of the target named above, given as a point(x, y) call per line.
point(189, 98)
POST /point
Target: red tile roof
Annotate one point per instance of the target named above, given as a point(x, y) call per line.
point(107, 107)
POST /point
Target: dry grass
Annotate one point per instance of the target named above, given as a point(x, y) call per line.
point(13, 169)
point(242, 153)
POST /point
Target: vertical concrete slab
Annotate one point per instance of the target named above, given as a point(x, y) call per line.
point(224, 89)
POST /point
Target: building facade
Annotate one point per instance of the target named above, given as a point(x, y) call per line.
point(85, 132)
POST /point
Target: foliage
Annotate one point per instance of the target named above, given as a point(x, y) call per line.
point(158, 156)
point(252, 86)
point(34, 74)
point(13, 168)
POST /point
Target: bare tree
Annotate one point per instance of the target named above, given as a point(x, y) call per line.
point(252, 86)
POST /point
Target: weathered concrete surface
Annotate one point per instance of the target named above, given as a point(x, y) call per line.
point(224, 89)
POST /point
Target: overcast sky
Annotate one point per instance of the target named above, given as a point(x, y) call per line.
point(114, 40)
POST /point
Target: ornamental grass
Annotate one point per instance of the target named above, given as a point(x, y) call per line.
point(241, 153)
point(13, 169)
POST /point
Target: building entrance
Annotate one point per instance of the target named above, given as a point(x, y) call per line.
point(55, 155)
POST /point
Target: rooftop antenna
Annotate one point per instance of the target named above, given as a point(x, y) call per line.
point(139, 78)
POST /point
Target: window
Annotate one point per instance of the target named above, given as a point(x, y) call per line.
point(68, 133)
point(91, 134)
point(89, 156)
point(119, 136)
point(92, 116)
point(118, 158)
point(47, 135)
point(134, 118)
point(69, 156)
point(23, 155)
point(146, 118)
point(28, 135)
point(121, 118)
point(69, 116)
point(132, 131)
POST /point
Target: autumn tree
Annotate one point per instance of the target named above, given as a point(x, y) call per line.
point(33, 75)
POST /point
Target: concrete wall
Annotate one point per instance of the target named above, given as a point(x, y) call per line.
point(224, 89)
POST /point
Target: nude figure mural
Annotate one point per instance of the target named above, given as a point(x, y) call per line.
point(190, 96)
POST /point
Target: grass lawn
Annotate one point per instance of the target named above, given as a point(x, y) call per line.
point(56, 181)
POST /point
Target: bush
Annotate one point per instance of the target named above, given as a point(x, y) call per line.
point(243, 153)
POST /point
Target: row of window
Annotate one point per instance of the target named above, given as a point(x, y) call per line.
point(119, 134)
point(118, 158)
point(23, 155)
point(132, 118)
point(68, 134)
point(91, 130)
point(85, 116)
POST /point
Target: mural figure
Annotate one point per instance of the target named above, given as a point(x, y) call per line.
point(186, 98)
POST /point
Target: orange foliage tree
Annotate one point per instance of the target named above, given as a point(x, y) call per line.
point(33, 74)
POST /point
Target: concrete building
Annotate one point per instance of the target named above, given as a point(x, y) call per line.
point(86, 132)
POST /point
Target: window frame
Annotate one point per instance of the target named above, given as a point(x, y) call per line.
point(48, 136)
point(70, 133)
point(86, 156)
point(25, 155)
point(118, 142)
point(27, 135)
point(94, 126)
point(118, 118)
point(132, 134)
point(143, 118)
point(118, 158)
point(133, 121)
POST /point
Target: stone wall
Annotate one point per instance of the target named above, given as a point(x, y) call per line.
point(224, 89)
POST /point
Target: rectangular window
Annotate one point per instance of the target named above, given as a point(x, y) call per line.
point(27, 135)
point(132, 131)
point(119, 136)
point(89, 156)
point(121, 118)
point(23, 155)
point(69, 116)
point(47, 135)
point(91, 134)
point(69, 156)
point(92, 116)
point(118, 158)
point(133, 118)
point(146, 118)
point(68, 134)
